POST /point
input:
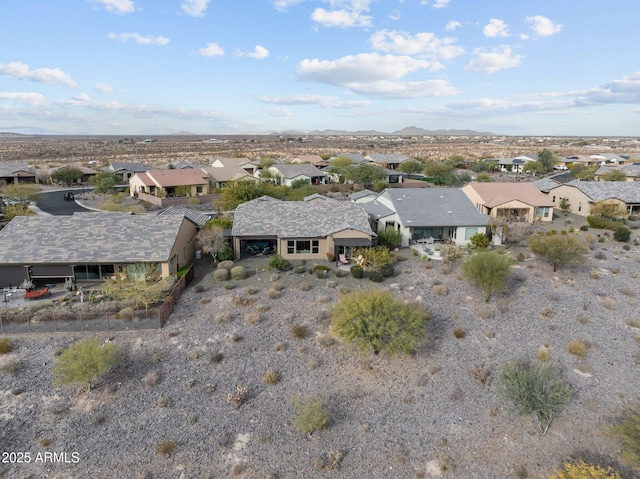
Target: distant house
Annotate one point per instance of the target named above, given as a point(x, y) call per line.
point(510, 201)
point(87, 173)
point(222, 176)
point(363, 196)
point(387, 160)
point(582, 195)
point(16, 172)
point(515, 165)
point(581, 160)
point(299, 230)
point(356, 158)
point(244, 163)
point(631, 171)
point(315, 160)
point(93, 246)
point(549, 182)
point(287, 174)
point(441, 214)
point(169, 183)
point(126, 170)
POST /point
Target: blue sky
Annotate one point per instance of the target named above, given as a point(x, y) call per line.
point(543, 67)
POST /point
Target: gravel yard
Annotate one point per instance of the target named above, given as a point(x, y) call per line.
point(433, 414)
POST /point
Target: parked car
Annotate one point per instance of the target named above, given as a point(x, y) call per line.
point(68, 196)
point(560, 167)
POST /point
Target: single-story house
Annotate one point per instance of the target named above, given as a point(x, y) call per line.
point(356, 158)
point(315, 160)
point(93, 246)
point(287, 174)
point(244, 163)
point(87, 173)
point(126, 170)
point(168, 183)
point(441, 214)
point(515, 165)
point(221, 176)
point(16, 172)
point(546, 184)
point(580, 160)
point(631, 171)
point(363, 196)
point(510, 201)
point(300, 230)
point(583, 194)
point(387, 160)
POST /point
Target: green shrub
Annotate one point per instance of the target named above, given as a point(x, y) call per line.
point(280, 263)
point(321, 273)
point(389, 237)
point(84, 361)
point(221, 274)
point(535, 389)
point(299, 269)
point(584, 228)
point(376, 277)
point(376, 320)
point(321, 267)
point(560, 251)
point(387, 270)
point(310, 415)
point(6, 345)
point(238, 272)
point(479, 241)
point(582, 470)
point(226, 264)
point(626, 430)
point(488, 270)
point(622, 233)
point(601, 222)
point(356, 271)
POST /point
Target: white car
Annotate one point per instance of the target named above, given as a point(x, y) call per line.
point(561, 167)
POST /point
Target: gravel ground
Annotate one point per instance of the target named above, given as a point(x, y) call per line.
point(391, 417)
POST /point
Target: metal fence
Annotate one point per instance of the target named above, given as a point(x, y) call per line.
point(76, 321)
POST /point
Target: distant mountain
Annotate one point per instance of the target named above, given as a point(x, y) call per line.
point(415, 131)
point(30, 130)
point(346, 133)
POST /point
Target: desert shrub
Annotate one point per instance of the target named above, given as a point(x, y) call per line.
point(277, 286)
point(356, 271)
point(577, 348)
point(582, 470)
point(273, 294)
point(600, 222)
point(459, 333)
point(376, 277)
point(321, 273)
point(280, 263)
point(440, 290)
point(310, 415)
point(238, 397)
point(252, 318)
point(479, 241)
point(377, 320)
point(609, 303)
point(622, 233)
point(299, 331)
point(164, 402)
point(374, 258)
point(305, 286)
point(196, 354)
point(166, 447)
point(387, 270)
point(222, 317)
point(390, 237)
point(151, 379)
point(488, 270)
point(331, 284)
point(560, 251)
point(341, 273)
point(584, 228)
point(321, 267)
point(626, 430)
point(626, 247)
point(299, 269)
point(238, 272)
point(84, 361)
point(221, 274)
point(6, 345)
point(535, 389)
point(271, 377)
point(226, 264)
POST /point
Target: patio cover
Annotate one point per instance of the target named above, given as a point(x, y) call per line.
point(353, 242)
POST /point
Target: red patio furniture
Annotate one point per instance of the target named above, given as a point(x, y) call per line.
point(38, 293)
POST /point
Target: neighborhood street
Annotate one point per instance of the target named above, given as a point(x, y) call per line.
point(54, 203)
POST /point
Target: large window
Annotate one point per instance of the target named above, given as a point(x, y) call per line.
point(542, 212)
point(93, 271)
point(469, 232)
point(303, 246)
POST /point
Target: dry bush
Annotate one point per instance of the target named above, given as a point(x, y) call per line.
point(627, 291)
point(330, 461)
point(273, 294)
point(609, 303)
point(543, 354)
point(238, 397)
point(459, 332)
point(222, 317)
point(547, 313)
point(440, 290)
point(324, 340)
point(271, 377)
point(280, 346)
point(299, 331)
point(151, 379)
point(277, 286)
point(483, 374)
point(166, 447)
point(262, 308)
point(577, 348)
point(6, 345)
point(242, 301)
point(252, 318)
point(632, 323)
point(305, 286)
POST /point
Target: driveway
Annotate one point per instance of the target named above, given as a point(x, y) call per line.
point(53, 202)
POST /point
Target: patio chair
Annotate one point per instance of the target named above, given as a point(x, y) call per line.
point(343, 259)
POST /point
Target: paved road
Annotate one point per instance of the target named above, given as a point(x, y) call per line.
point(53, 202)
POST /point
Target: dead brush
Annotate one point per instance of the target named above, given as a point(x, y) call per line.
point(239, 300)
point(483, 374)
point(330, 461)
point(238, 397)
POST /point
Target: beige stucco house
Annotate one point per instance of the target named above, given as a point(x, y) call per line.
point(510, 201)
point(170, 182)
point(583, 194)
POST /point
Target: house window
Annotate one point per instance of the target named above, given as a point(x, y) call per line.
point(315, 246)
point(580, 206)
point(199, 189)
point(469, 232)
point(542, 212)
point(303, 246)
point(291, 247)
point(554, 198)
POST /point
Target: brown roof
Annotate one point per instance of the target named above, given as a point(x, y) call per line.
point(145, 179)
point(172, 177)
point(495, 194)
point(227, 173)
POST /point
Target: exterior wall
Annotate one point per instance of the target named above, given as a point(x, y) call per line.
point(322, 249)
point(175, 201)
point(136, 185)
point(185, 245)
point(580, 203)
point(475, 198)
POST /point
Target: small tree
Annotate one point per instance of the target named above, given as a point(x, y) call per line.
point(626, 429)
point(547, 159)
point(67, 175)
point(535, 389)
point(582, 470)
point(483, 178)
point(610, 210)
point(373, 258)
point(439, 172)
point(376, 320)
point(622, 233)
point(411, 166)
point(565, 205)
point(615, 175)
point(533, 167)
point(211, 240)
point(105, 182)
point(479, 241)
point(487, 270)
point(390, 237)
point(22, 193)
point(83, 362)
point(559, 250)
point(365, 174)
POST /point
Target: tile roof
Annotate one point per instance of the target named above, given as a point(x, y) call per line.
point(227, 173)
point(387, 157)
point(89, 238)
point(362, 194)
point(434, 207)
point(546, 184)
point(626, 191)
point(196, 217)
point(496, 194)
point(9, 168)
point(377, 210)
point(169, 178)
point(298, 219)
point(293, 170)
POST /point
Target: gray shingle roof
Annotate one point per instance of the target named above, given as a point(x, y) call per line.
point(389, 158)
point(9, 168)
point(362, 194)
point(377, 210)
point(626, 191)
point(196, 217)
point(298, 219)
point(297, 169)
point(121, 166)
point(88, 238)
point(434, 207)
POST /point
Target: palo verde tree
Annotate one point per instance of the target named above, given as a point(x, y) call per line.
point(105, 182)
point(582, 470)
point(439, 172)
point(22, 193)
point(376, 320)
point(488, 271)
point(67, 175)
point(365, 174)
point(626, 430)
point(83, 362)
point(339, 166)
point(411, 166)
point(615, 175)
point(547, 159)
point(559, 250)
point(535, 389)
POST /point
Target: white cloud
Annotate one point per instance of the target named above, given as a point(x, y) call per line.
point(626, 90)
point(29, 98)
point(440, 3)
point(103, 87)
point(391, 89)
point(542, 26)
point(501, 58)
point(426, 44)
point(329, 102)
point(83, 97)
point(496, 28)
point(344, 14)
point(395, 15)
point(195, 8)
point(211, 50)
point(39, 75)
point(116, 6)
point(279, 112)
point(259, 53)
point(139, 39)
point(452, 25)
point(283, 5)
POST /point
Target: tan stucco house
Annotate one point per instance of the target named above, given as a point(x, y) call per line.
point(510, 201)
point(583, 194)
point(170, 182)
